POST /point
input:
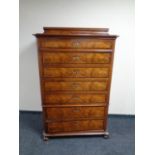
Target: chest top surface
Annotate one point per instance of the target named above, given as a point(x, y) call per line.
point(70, 31)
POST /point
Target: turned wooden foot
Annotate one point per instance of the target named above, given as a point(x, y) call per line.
point(106, 135)
point(45, 138)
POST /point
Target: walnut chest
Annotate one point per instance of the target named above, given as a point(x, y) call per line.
point(75, 76)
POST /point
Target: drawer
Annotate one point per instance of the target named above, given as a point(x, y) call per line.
point(73, 113)
point(73, 126)
point(76, 86)
point(66, 98)
point(76, 72)
point(81, 58)
point(84, 43)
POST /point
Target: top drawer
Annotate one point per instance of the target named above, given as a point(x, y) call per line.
point(67, 43)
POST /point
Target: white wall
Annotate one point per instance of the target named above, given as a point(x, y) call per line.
point(118, 15)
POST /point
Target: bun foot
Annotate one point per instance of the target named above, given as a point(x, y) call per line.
point(45, 138)
point(106, 135)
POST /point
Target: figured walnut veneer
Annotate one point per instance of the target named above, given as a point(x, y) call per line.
point(75, 58)
point(67, 98)
point(77, 43)
point(73, 86)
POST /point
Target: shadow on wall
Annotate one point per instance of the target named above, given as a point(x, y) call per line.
point(29, 78)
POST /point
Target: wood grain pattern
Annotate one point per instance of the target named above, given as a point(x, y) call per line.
point(63, 57)
point(74, 31)
point(72, 126)
point(76, 72)
point(75, 86)
point(74, 113)
point(77, 43)
point(70, 98)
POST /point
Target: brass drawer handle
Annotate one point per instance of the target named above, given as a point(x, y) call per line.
point(75, 72)
point(76, 58)
point(75, 97)
point(76, 110)
point(74, 85)
point(76, 44)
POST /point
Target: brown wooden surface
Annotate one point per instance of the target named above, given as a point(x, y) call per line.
point(75, 50)
point(76, 98)
point(75, 86)
point(76, 43)
point(75, 79)
point(82, 58)
point(72, 126)
point(74, 113)
point(75, 74)
point(70, 31)
point(75, 31)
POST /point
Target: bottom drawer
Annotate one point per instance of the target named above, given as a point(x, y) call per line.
point(74, 126)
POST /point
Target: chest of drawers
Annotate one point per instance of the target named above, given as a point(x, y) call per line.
point(75, 67)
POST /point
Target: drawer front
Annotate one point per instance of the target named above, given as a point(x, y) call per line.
point(73, 126)
point(75, 86)
point(73, 113)
point(76, 72)
point(54, 99)
point(81, 58)
point(77, 43)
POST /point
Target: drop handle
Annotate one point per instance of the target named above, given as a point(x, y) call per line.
point(76, 110)
point(75, 97)
point(75, 72)
point(76, 44)
point(76, 57)
point(74, 85)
